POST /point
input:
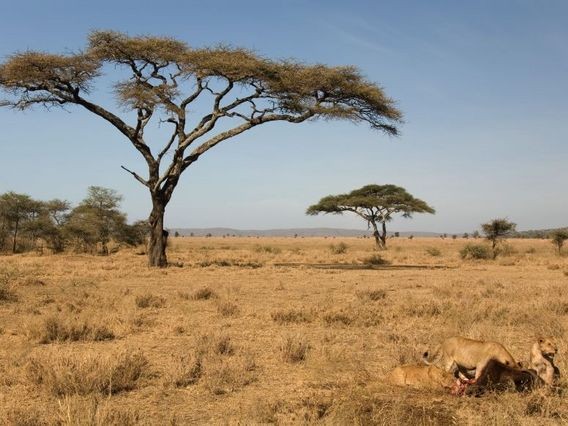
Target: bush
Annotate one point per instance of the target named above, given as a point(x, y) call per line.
point(476, 251)
point(433, 251)
point(340, 248)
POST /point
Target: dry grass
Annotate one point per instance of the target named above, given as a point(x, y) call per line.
point(62, 374)
point(55, 329)
point(229, 337)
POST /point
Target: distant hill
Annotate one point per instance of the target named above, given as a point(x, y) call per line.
point(328, 232)
point(289, 232)
point(537, 233)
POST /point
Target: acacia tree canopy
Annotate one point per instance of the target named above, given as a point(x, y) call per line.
point(376, 204)
point(162, 77)
point(496, 230)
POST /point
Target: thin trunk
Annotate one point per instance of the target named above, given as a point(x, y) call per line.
point(384, 235)
point(158, 235)
point(377, 235)
point(15, 236)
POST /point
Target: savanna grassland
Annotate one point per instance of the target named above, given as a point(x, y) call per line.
point(252, 331)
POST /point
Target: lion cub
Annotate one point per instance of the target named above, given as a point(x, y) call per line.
point(460, 354)
point(421, 376)
point(542, 360)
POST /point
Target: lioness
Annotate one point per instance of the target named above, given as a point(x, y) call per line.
point(497, 376)
point(421, 376)
point(461, 355)
point(542, 360)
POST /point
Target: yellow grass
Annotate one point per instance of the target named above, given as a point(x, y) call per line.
point(249, 331)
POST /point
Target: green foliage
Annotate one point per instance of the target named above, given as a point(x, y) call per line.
point(496, 230)
point(28, 224)
point(476, 251)
point(558, 237)
point(377, 204)
point(158, 78)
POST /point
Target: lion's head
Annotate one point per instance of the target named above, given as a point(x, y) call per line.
point(547, 347)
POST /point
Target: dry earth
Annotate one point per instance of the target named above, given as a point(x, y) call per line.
point(248, 331)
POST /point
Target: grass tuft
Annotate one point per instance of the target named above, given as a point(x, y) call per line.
point(150, 300)
point(294, 349)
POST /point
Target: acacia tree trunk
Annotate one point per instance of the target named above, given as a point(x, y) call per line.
point(158, 235)
point(379, 240)
point(384, 235)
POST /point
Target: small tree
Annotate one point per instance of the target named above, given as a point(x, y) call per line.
point(97, 219)
point(376, 204)
point(496, 230)
point(163, 80)
point(558, 238)
point(16, 209)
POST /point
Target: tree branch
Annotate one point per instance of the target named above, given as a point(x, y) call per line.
point(137, 177)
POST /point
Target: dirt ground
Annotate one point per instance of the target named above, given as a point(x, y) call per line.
point(270, 330)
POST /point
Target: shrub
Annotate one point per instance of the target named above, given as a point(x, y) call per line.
point(150, 301)
point(433, 251)
point(476, 251)
point(340, 248)
point(294, 349)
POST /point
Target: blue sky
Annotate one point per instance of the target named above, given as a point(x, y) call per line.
point(482, 85)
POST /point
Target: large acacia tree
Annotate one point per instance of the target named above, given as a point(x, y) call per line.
point(164, 81)
point(376, 204)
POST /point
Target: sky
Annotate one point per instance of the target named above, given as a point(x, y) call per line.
point(482, 86)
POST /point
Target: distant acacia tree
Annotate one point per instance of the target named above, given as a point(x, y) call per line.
point(97, 219)
point(496, 230)
point(162, 79)
point(376, 204)
point(16, 210)
point(558, 237)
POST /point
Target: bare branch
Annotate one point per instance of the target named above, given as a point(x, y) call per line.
point(170, 141)
point(137, 177)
